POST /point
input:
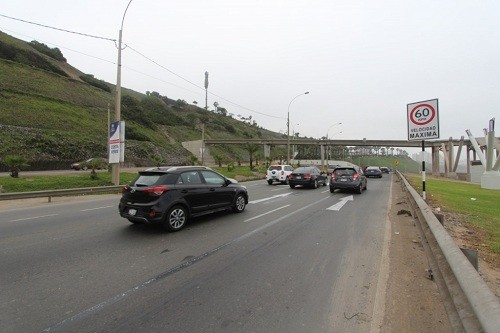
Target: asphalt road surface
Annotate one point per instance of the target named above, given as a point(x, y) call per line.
point(301, 260)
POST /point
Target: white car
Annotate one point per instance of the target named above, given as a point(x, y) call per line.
point(278, 173)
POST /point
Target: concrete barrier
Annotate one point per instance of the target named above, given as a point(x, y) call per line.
point(483, 302)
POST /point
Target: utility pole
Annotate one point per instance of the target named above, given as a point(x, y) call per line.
point(206, 91)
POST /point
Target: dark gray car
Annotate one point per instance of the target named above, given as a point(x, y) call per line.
point(348, 178)
point(309, 176)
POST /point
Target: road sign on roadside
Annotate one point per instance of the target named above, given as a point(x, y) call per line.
point(423, 120)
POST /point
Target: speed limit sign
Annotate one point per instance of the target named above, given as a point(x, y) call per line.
point(423, 120)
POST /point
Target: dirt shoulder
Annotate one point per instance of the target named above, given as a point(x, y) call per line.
point(412, 300)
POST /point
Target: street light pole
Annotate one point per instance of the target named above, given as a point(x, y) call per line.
point(115, 168)
point(328, 151)
point(288, 127)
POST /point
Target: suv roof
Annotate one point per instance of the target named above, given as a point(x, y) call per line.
point(174, 168)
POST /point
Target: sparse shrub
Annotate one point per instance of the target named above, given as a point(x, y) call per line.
point(54, 53)
point(7, 51)
point(15, 164)
point(90, 79)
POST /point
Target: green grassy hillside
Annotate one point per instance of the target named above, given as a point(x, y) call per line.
point(49, 115)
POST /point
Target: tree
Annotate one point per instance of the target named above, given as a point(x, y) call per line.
point(218, 158)
point(158, 160)
point(15, 163)
point(93, 165)
point(193, 160)
point(251, 148)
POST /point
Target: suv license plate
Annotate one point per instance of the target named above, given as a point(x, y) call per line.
point(132, 212)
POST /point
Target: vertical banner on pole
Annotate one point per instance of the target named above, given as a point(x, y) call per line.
point(122, 141)
point(114, 142)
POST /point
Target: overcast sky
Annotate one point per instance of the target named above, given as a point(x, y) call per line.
point(361, 61)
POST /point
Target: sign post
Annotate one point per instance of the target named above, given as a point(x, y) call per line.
point(423, 123)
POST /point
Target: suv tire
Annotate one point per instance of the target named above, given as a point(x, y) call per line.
point(176, 218)
point(239, 203)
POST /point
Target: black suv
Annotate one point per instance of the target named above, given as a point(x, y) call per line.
point(171, 196)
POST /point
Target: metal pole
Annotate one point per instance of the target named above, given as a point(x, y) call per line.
point(423, 170)
point(206, 90)
point(115, 168)
point(202, 143)
point(288, 127)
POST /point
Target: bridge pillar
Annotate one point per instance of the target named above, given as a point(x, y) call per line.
point(267, 153)
point(452, 172)
point(435, 161)
point(322, 152)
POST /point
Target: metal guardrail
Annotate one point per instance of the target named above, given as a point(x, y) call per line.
point(483, 302)
point(59, 193)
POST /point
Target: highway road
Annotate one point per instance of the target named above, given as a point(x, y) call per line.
point(301, 260)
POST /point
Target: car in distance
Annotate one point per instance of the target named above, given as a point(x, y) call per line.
point(373, 171)
point(384, 169)
point(330, 169)
point(348, 178)
point(96, 162)
point(309, 176)
point(173, 195)
point(278, 173)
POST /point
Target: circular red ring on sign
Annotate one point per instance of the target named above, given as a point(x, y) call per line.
point(413, 120)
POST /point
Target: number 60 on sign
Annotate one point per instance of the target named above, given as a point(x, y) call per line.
point(423, 120)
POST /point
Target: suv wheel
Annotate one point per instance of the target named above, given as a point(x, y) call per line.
point(239, 204)
point(176, 218)
point(315, 184)
point(270, 182)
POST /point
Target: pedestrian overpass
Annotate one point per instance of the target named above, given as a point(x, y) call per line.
point(450, 149)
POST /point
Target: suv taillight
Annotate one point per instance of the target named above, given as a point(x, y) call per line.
point(282, 172)
point(355, 176)
point(156, 190)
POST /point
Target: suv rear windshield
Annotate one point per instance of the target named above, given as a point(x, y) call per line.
point(344, 172)
point(275, 167)
point(154, 178)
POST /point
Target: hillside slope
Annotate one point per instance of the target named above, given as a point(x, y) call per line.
point(52, 115)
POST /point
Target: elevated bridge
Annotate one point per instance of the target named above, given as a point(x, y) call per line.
point(451, 148)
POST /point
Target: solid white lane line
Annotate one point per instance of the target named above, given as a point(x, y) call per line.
point(33, 218)
point(104, 207)
point(269, 198)
point(269, 212)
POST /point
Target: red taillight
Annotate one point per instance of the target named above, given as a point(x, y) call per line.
point(157, 190)
point(355, 176)
point(307, 175)
point(282, 172)
point(125, 189)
